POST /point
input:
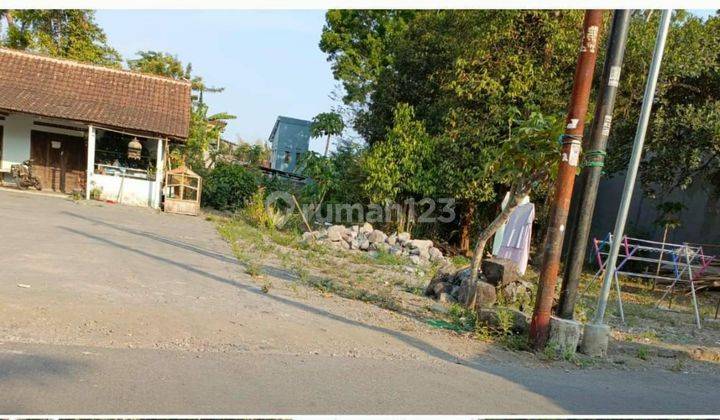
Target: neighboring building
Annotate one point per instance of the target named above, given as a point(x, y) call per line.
point(290, 139)
point(81, 125)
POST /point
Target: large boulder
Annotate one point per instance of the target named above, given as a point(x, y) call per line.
point(443, 275)
point(335, 233)
point(499, 271)
point(392, 239)
point(376, 236)
point(421, 244)
point(365, 228)
point(501, 318)
point(519, 292)
point(435, 254)
point(486, 294)
point(403, 237)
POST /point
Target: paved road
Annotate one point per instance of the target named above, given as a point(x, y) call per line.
point(131, 311)
point(69, 379)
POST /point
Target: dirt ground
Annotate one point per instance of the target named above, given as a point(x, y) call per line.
point(93, 274)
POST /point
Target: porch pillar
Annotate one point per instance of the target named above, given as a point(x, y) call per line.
point(159, 173)
point(90, 169)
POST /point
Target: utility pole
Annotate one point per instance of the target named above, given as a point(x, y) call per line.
point(633, 165)
point(589, 179)
point(571, 146)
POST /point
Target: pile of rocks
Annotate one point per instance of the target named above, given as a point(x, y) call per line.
point(499, 277)
point(366, 238)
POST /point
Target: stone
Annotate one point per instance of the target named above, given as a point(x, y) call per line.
point(355, 228)
point(392, 239)
point(435, 254)
point(309, 236)
point(518, 292)
point(421, 244)
point(513, 319)
point(443, 275)
point(446, 298)
point(365, 228)
point(455, 291)
point(364, 244)
point(564, 335)
point(354, 244)
point(403, 237)
point(439, 288)
point(395, 250)
point(415, 259)
point(486, 295)
point(376, 236)
point(595, 340)
point(500, 271)
point(335, 232)
point(382, 246)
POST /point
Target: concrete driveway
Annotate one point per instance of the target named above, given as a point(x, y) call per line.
point(112, 309)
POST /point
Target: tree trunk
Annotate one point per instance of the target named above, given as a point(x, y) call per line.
point(471, 284)
point(327, 145)
point(465, 225)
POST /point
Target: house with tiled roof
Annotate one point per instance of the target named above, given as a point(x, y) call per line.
point(88, 128)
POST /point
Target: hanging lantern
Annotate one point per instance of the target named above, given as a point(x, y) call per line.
point(134, 149)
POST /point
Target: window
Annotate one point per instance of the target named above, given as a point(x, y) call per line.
point(287, 157)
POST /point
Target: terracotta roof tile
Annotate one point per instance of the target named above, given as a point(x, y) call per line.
point(118, 98)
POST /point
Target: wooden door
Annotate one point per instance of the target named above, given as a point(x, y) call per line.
point(59, 161)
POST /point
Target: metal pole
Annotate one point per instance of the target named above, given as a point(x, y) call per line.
point(575, 123)
point(594, 159)
point(633, 165)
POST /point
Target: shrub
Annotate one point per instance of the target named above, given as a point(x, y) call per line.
point(228, 186)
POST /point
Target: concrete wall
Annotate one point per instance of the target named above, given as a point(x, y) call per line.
point(700, 222)
point(135, 192)
point(16, 138)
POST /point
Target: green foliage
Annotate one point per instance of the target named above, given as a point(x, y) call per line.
point(251, 154)
point(395, 167)
point(684, 129)
point(229, 186)
point(160, 63)
point(327, 124)
point(63, 33)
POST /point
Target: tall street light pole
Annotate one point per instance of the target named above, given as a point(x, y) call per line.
point(589, 180)
point(633, 165)
point(571, 146)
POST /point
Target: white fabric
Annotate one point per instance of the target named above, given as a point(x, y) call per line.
point(516, 240)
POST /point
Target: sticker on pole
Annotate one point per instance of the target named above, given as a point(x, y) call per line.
point(614, 79)
point(573, 156)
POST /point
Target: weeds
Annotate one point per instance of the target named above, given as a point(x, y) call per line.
point(643, 353)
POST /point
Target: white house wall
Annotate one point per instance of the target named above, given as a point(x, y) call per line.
point(16, 138)
point(130, 191)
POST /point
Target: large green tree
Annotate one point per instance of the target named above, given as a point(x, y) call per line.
point(63, 33)
point(327, 124)
point(462, 72)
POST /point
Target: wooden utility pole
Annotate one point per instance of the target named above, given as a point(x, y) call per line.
point(571, 147)
point(589, 180)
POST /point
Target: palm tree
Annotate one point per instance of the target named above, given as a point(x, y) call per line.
point(326, 124)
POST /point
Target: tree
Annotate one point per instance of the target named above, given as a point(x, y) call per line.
point(205, 128)
point(252, 154)
point(327, 124)
point(525, 160)
point(71, 34)
point(160, 63)
point(683, 137)
point(462, 72)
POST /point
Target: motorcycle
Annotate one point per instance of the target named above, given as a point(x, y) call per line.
point(24, 178)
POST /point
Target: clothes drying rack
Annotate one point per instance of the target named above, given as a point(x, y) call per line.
point(673, 263)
